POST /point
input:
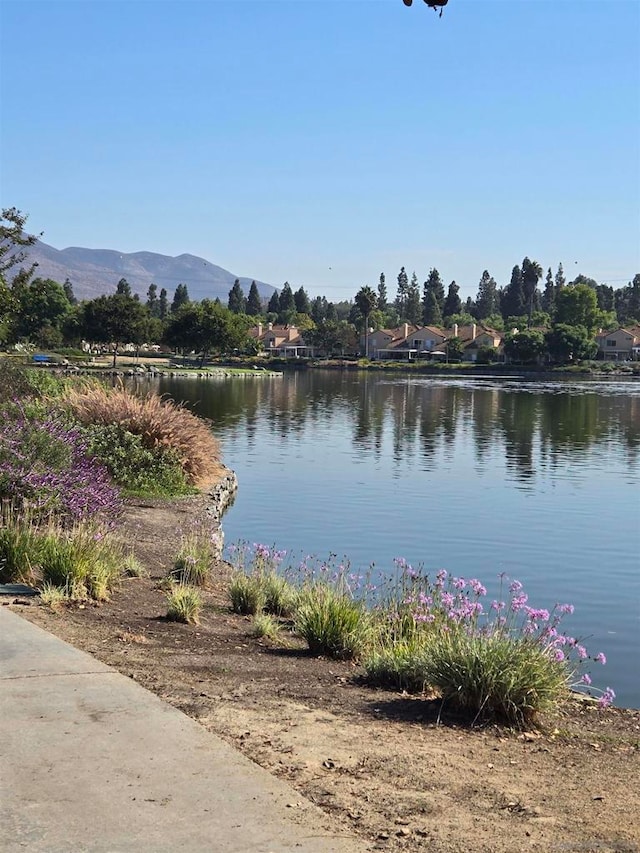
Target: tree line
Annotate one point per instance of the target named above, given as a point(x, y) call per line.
point(560, 316)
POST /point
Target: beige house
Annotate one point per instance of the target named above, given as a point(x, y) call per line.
point(483, 338)
point(282, 341)
point(405, 343)
point(620, 345)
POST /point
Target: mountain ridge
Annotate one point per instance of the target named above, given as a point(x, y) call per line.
point(94, 272)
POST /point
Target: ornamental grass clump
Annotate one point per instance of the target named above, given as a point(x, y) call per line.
point(194, 560)
point(257, 585)
point(161, 424)
point(332, 622)
point(264, 626)
point(246, 594)
point(508, 663)
point(184, 604)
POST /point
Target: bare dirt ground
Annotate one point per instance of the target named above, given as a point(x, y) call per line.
point(380, 762)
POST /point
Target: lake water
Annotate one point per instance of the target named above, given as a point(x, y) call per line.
point(540, 480)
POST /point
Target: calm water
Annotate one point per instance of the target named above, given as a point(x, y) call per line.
point(538, 480)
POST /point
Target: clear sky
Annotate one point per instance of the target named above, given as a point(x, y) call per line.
point(326, 141)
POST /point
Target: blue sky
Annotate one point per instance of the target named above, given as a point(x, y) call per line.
point(325, 141)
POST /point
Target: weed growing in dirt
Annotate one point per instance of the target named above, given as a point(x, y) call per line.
point(184, 604)
point(133, 568)
point(52, 596)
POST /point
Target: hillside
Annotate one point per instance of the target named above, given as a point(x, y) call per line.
point(93, 272)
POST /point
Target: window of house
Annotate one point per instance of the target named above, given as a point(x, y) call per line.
point(611, 343)
point(417, 343)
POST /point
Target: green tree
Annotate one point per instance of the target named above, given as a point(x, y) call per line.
point(455, 349)
point(577, 305)
point(487, 302)
point(286, 302)
point(301, 300)
point(42, 311)
point(366, 300)
point(432, 296)
point(382, 293)
point(570, 343)
point(431, 314)
point(627, 302)
point(531, 275)
point(274, 303)
point(123, 288)
point(512, 303)
point(254, 303)
point(68, 290)
point(114, 320)
point(560, 279)
point(237, 303)
point(325, 337)
point(153, 303)
point(413, 312)
point(163, 304)
point(14, 242)
point(548, 300)
point(180, 298)
point(452, 304)
point(402, 293)
point(525, 347)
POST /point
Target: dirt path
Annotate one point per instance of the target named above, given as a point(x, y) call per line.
point(378, 761)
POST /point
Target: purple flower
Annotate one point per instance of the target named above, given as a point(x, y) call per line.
point(607, 698)
point(600, 658)
point(586, 679)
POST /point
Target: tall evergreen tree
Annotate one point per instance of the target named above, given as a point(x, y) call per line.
point(366, 301)
point(402, 293)
point(432, 291)
point(548, 301)
point(237, 302)
point(512, 303)
point(431, 313)
point(531, 275)
point(153, 305)
point(274, 303)
point(163, 304)
point(382, 293)
point(413, 312)
point(254, 303)
point(301, 299)
point(123, 287)
point(452, 304)
point(287, 302)
point(68, 290)
point(180, 298)
point(560, 280)
point(487, 302)
point(318, 309)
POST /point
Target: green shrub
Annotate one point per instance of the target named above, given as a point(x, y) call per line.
point(396, 665)
point(53, 596)
point(86, 562)
point(332, 622)
point(184, 604)
point(137, 469)
point(133, 568)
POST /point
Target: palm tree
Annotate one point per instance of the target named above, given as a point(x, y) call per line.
point(366, 300)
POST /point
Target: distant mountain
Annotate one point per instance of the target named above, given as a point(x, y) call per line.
point(93, 272)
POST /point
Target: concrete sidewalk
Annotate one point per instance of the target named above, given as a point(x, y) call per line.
point(90, 761)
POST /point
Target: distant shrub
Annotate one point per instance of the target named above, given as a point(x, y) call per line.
point(161, 424)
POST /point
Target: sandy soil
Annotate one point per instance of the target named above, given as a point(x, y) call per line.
point(380, 762)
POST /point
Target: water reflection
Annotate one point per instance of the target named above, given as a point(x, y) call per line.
point(533, 427)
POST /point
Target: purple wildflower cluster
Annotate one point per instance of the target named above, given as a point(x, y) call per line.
point(45, 465)
point(455, 601)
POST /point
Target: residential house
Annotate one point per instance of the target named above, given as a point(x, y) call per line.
point(405, 343)
point(623, 344)
point(281, 341)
